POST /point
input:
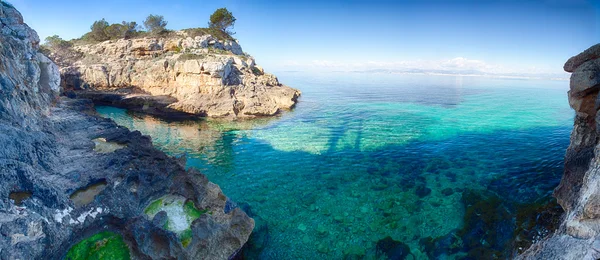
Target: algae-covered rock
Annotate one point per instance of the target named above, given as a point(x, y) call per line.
point(104, 245)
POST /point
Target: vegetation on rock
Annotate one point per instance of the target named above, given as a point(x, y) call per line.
point(222, 20)
point(174, 207)
point(104, 245)
point(155, 24)
point(221, 35)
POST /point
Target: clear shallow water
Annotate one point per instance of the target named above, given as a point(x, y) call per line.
point(354, 162)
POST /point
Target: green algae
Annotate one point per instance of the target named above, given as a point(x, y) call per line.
point(180, 215)
point(186, 237)
point(154, 207)
point(190, 210)
point(104, 245)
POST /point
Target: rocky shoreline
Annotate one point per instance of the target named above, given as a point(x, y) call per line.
point(578, 236)
point(181, 72)
point(68, 174)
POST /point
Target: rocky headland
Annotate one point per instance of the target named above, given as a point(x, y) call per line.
point(578, 236)
point(76, 185)
point(187, 72)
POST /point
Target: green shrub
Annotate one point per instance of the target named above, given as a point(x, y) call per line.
point(98, 31)
point(220, 35)
point(256, 71)
point(55, 43)
point(155, 24)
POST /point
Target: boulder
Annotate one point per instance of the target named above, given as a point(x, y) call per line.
point(585, 78)
point(591, 53)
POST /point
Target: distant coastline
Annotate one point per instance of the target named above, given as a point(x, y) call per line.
point(446, 73)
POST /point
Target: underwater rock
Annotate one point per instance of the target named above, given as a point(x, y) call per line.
point(442, 246)
point(492, 230)
point(258, 239)
point(422, 191)
point(392, 249)
point(322, 248)
point(536, 221)
point(447, 191)
point(488, 223)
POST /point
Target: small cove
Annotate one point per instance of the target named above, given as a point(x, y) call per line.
point(366, 156)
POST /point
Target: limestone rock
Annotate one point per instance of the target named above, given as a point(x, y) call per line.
point(210, 78)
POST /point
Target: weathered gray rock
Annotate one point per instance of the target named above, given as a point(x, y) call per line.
point(591, 53)
point(49, 160)
point(585, 78)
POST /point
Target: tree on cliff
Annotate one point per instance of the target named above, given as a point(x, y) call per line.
point(155, 23)
point(98, 32)
point(54, 43)
point(123, 30)
point(222, 20)
point(59, 50)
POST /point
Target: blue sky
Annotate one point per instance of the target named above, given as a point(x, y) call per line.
point(493, 36)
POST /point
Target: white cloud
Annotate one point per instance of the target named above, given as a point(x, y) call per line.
point(458, 64)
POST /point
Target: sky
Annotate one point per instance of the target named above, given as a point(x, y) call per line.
point(491, 36)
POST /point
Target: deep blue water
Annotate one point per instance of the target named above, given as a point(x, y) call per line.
point(366, 156)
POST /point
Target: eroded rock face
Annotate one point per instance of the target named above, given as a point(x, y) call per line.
point(49, 171)
point(578, 192)
point(206, 77)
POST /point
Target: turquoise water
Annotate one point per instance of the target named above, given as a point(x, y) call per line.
point(366, 156)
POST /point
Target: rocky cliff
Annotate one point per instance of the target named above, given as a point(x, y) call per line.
point(67, 174)
point(579, 190)
point(180, 72)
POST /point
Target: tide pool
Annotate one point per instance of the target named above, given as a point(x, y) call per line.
point(365, 156)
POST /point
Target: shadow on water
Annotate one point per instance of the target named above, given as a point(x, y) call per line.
point(506, 201)
point(469, 196)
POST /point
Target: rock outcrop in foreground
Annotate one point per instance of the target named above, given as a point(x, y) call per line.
point(579, 190)
point(67, 174)
point(198, 75)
